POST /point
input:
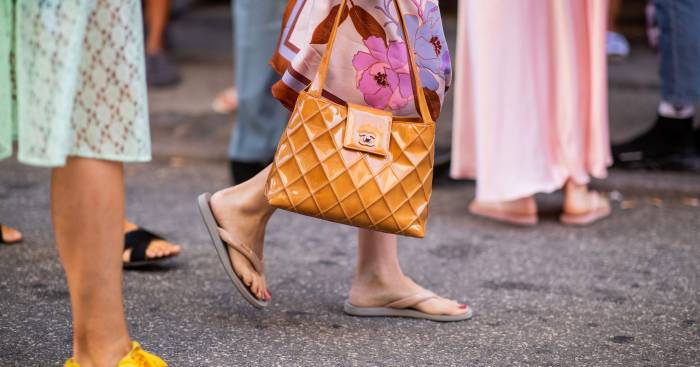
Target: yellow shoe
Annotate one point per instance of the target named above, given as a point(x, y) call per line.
point(136, 358)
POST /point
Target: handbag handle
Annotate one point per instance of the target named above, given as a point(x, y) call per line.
point(319, 82)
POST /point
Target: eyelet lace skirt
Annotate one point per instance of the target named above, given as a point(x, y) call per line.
point(72, 81)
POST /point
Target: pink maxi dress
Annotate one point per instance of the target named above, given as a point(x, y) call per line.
point(530, 96)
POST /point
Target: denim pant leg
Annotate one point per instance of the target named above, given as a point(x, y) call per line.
point(679, 44)
point(260, 118)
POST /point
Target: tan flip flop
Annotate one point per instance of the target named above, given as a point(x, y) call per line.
point(502, 216)
point(598, 210)
point(222, 241)
point(405, 308)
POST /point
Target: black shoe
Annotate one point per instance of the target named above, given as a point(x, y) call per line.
point(161, 71)
point(244, 171)
point(668, 145)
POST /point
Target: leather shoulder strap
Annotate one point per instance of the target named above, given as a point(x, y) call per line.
point(319, 81)
point(419, 95)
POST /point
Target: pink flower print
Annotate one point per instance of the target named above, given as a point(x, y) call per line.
point(383, 74)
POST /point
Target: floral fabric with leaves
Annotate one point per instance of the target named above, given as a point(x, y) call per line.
point(369, 64)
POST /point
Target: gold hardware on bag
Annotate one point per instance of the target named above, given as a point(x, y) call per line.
point(368, 129)
point(355, 164)
point(367, 137)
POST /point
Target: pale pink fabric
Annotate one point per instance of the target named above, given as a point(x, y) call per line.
point(531, 95)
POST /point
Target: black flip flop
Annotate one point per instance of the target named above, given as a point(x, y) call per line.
point(138, 241)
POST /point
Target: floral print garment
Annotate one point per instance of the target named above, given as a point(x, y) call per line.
point(369, 64)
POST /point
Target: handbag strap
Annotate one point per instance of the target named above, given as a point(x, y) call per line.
point(319, 81)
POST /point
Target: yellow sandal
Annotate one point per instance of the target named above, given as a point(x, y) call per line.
point(136, 358)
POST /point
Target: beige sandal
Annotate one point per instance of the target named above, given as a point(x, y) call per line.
point(405, 307)
point(598, 208)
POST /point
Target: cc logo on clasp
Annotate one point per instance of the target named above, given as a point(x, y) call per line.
point(367, 139)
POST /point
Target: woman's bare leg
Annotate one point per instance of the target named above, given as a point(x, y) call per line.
point(379, 280)
point(157, 13)
point(244, 210)
point(613, 13)
point(87, 208)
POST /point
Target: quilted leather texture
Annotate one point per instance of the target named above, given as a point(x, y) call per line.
point(314, 174)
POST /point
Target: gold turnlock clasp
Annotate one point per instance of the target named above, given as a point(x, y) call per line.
point(367, 138)
point(368, 130)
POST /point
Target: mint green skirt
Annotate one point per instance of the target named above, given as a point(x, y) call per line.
point(72, 81)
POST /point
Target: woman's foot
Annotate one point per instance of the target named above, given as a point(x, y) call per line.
point(9, 235)
point(583, 207)
point(245, 219)
point(157, 248)
point(136, 357)
point(378, 291)
point(226, 101)
point(519, 212)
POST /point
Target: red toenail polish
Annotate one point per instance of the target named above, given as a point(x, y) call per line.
point(462, 306)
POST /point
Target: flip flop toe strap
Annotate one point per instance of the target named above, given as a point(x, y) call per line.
point(413, 300)
point(240, 247)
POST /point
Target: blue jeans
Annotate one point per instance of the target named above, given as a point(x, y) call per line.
point(260, 118)
point(679, 44)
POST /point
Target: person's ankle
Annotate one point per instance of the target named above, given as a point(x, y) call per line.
point(371, 289)
point(154, 48)
point(91, 353)
point(237, 198)
point(378, 278)
point(575, 197)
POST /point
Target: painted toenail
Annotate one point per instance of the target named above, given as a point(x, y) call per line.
point(462, 306)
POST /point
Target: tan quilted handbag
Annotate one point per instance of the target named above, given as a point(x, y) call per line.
point(355, 164)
